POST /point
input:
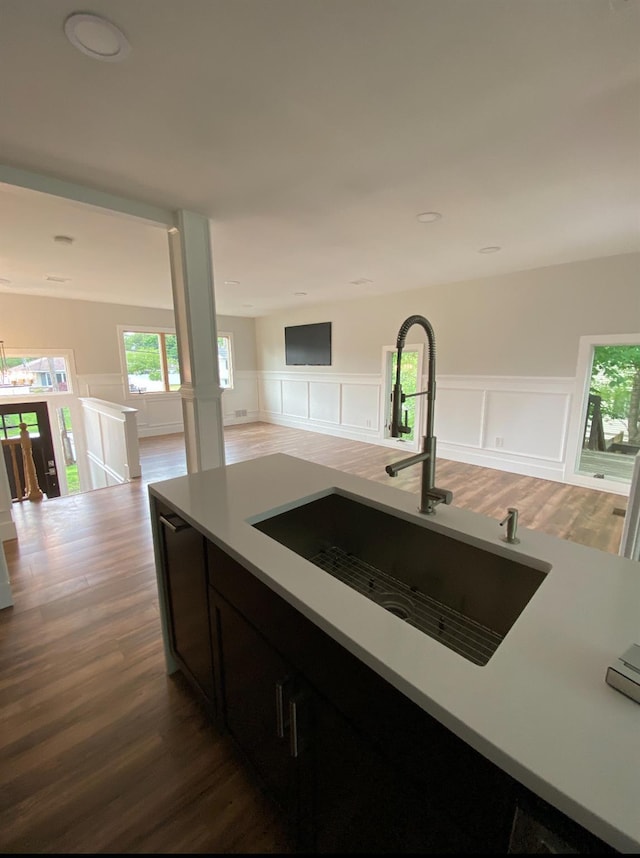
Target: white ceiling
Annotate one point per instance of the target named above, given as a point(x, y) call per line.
point(312, 132)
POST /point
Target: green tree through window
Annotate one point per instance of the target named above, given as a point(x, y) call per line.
point(152, 361)
point(615, 377)
point(409, 381)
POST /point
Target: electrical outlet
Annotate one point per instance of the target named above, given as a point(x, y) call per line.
point(368, 422)
point(499, 441)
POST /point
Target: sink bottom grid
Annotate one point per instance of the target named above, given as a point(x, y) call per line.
point(467, 637)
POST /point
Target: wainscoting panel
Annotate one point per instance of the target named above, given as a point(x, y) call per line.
point(324, 401)
point(240, 404)
point(107, 385)
point(459, 415)
point(516, 424)
point(295, 398)
point(529, 424)
point(270, 395)
point(111, 442)
point(361, 406)
point(158, 414)
point(162, 413)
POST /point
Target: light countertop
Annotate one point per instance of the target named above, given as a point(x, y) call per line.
point(540, 708)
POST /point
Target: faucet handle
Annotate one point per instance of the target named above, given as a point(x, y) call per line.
point(441, 495)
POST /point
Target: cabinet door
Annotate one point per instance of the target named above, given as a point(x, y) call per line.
point(256, 688)
point(353, 800)
point(186, 583)
point(362, 803)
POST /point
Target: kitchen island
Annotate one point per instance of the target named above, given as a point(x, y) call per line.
point(537, 716)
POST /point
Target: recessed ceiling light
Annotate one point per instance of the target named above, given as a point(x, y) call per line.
point(63, 239)
point(96, 37)
point(299, 293)
point(231, 282)
point(4, 281)
point(429, 217)
point(247, 305)
point(52, 278)
point(362, 281)
point(491, 249)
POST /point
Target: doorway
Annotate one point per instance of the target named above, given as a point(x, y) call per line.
point(605, 439)
point(35, 416)
point(411, 381)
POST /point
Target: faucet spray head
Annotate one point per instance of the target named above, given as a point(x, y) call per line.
point(398, 428)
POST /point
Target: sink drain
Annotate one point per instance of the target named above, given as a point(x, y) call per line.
point(396, 604)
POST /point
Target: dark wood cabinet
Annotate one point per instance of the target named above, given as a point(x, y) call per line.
point(338, 793)
point(183, 550)
point(354, 764)
point(256, 689)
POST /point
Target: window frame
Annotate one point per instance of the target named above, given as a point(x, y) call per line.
point(161, 331)
point(65, 354)
point(232, 359)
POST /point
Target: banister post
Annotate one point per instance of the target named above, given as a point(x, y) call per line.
point(33, 491)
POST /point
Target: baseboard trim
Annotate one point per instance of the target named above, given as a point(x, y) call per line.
point(487, 459)
point(160, 429)
point(232, 420)
point(367, 436)
point(8, 531)
point(484, 458)
point(6, 596)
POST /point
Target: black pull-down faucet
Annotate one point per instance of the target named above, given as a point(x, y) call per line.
point(430, 495)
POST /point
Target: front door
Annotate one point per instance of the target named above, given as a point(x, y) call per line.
point(36, 417)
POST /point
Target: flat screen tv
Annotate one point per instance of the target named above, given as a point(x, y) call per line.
point(308, 345)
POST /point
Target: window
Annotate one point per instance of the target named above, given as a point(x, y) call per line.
point(151, 359)
point(225, 361)
point(29, 375)
point(411, 381)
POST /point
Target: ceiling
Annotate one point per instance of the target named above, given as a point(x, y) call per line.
point(312, 133)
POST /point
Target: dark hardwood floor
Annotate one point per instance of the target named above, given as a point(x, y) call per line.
point(100, 751)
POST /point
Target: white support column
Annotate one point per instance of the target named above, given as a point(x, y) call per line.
point(194, 307)
point(7, 531)
point(7, 524)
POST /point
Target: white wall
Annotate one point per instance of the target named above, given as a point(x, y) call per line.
point(240, 405)
point(90, 330)
point(523, 324)
point(507, 349)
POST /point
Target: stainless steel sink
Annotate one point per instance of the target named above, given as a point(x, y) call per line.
point(463, 595)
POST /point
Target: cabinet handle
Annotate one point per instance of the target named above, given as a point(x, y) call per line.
point(182, 525)
point(280, 708)
point(295, 741)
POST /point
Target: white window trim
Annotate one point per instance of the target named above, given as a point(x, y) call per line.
point(67, 354)
point(140, 329)
point(386, 386)
point(232, 355)
point(579, 411)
